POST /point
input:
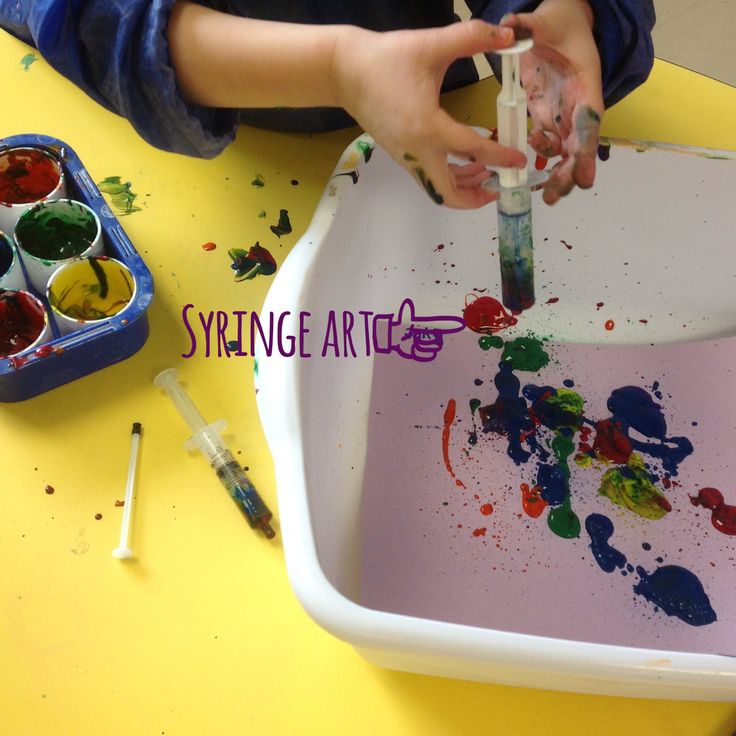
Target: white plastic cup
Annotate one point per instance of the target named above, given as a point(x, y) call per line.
point(28, 176)
point(11, 272)
point(87, 291)
point(54, 233)
point(24, 322)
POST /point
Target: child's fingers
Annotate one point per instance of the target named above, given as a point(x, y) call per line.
point(528, 21)
point(586, 131)
point(469, 38)
point(548, 144)
point(452, 185)
point(465, 142)
point(560, 181)
point(469, 175)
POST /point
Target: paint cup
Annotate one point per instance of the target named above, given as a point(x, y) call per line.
point(89, 290)
point(27, 176)
point(11, 272)
point(24, 323)
point(53, 233)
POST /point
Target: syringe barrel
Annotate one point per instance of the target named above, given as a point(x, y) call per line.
point(167, 380)
point(516, 248)
point(511, 117)
point(241, 490)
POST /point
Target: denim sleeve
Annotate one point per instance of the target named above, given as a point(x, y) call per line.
point(622, 30)
point(117, 52)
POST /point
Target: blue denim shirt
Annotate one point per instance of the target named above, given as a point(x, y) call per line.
point(116, 51)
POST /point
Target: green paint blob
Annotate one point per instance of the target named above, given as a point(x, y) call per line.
point(366, 149)
point(120, 193)
point(56, 230)
point(562, 447)
point(258, 181)
point(487, 342)
point(525, 354)
point(563, 521)
point(632, 488)
point(474, 404)
point(27, 60)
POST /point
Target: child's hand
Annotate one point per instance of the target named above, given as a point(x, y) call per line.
point(562, 78)
point(390, 83)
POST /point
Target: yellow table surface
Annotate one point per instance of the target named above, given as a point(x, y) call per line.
point(202, 633)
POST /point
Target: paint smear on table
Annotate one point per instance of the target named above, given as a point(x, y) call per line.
point(613, 510)
point(121, 195)
point(248, 264)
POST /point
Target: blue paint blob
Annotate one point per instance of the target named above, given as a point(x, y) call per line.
point(633, 408)
point(552, 480)
point(600, 529)
point(568, 383)
point(678, 592)
point(508, 415)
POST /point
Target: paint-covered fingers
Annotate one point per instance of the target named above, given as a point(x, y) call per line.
point(586, 135)
point(451, 185)
point(547, 144)
point(560, 182)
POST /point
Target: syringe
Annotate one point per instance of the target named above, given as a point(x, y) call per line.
point(515, 243)
point(207, 439)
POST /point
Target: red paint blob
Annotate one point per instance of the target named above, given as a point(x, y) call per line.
point(486, 509)
point(723, 517)
point(27, 175)
point(566, 244)
point(45, 350)
point(49, 490)
point(610, 324)
point(209, 246)
point(532, 503)
point(480, 532)
point(486, 315)
point(611, 443)
point(98, 516)
point(448, 419)
point(552, 300)
point(598, 305)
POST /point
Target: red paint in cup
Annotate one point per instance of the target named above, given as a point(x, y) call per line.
point(23, 321)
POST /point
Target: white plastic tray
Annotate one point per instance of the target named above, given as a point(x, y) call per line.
point(650, 249)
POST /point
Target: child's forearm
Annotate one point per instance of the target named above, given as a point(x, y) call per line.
point(222, 60)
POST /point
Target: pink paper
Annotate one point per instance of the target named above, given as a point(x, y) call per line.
point(433, 548)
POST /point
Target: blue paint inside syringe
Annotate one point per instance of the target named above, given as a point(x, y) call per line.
point(516, 248)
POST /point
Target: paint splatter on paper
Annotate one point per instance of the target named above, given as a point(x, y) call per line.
point(598, 458)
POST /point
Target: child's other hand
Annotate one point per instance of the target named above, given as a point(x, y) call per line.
point(562, 78)
point(390, 83)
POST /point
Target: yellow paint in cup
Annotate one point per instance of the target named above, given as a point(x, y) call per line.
point(89, 290)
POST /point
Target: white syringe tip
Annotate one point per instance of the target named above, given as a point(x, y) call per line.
point(166, 378)
point(122, 553)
